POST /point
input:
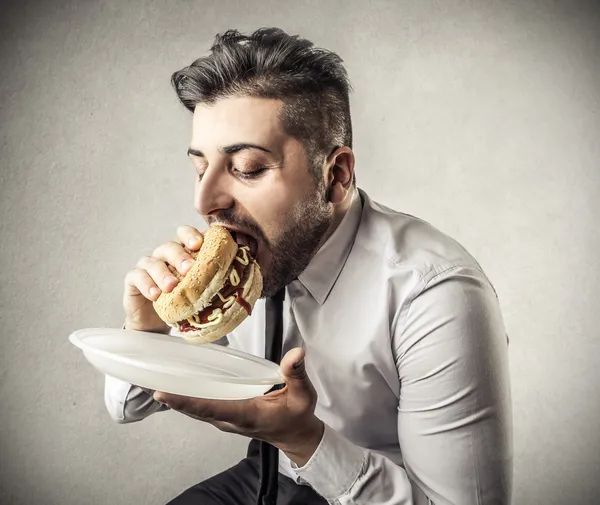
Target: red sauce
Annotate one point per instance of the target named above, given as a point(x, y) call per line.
point(243, 303)
point(186, 326)
point(226, 292)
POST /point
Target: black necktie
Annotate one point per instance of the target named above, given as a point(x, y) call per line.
point(269, 455)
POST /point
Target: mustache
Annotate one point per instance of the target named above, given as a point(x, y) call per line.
point(229, 218)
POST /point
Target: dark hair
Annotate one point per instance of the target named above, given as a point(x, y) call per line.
point(311, 82)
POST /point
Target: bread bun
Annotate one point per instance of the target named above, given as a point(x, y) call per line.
point(232, 317)
point(196, 306)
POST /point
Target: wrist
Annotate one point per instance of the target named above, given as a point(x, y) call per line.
point(306, 443)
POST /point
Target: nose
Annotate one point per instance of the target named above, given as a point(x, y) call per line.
point(213, 192)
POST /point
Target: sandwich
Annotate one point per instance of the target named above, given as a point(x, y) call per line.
point(216, 294)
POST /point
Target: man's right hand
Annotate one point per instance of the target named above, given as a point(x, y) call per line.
point(151, 276)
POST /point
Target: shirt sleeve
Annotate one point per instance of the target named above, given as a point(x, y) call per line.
point(454, 416)
point(127, 403)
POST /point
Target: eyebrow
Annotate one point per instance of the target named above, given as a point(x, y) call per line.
point(233, 148)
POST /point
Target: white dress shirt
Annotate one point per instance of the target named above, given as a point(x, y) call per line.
point(406, 348)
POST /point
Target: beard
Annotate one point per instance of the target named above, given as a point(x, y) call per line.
point(297, 244)
point(294, 247)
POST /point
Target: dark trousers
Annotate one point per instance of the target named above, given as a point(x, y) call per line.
point(239, 486)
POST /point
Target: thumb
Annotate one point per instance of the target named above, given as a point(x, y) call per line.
point(293, 370)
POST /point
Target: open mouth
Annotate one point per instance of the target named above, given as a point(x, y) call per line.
point(243, 239)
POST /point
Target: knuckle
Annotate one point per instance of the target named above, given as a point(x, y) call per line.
point(135, 277)
point(158, 251)
point(144, 262)
point(128, 280)
point(163, 250)
point(301, 374)
point(132, 275)
point(177, 249)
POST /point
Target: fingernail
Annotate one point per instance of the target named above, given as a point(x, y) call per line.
point(169, 279)
point(193, 241)
point(185, 264)
point(154, 292)
point(298, 363)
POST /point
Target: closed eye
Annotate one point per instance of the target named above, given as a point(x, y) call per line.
point(250, 175)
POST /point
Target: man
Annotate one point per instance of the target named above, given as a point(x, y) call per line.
point(397, 388)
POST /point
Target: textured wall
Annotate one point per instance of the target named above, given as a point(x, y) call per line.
point(479, 116)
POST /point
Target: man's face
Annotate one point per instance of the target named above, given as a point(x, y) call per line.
point(255, 180)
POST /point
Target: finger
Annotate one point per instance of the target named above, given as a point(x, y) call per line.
point(227, 427)
point(236, 412)
point(174, 254)
point(139, 283)
point(190, 236)
point(292, 364)
point(293, 370)
point(159, 273)
point(221, 425)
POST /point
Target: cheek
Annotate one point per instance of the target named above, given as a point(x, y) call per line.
point(274, 212)
point(274, 205)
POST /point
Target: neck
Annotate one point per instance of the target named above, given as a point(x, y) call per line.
point(339, 211)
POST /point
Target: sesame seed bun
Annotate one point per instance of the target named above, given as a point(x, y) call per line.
point(208, 275)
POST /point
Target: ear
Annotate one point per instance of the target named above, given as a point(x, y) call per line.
point(340, 174)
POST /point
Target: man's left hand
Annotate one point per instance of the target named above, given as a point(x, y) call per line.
point(284, 418)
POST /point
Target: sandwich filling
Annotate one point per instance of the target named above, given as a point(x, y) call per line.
point(225, 298)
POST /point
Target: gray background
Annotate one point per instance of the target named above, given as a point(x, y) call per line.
point(481, 117)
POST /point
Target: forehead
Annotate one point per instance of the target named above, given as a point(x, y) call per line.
point(237, 119)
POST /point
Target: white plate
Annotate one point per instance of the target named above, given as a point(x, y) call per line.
point(170, 364)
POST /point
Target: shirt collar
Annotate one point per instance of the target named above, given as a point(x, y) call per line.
point(323, 270)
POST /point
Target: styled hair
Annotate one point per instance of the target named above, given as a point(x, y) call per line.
point(311, 82)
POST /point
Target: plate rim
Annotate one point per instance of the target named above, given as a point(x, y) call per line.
point(78, 341)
